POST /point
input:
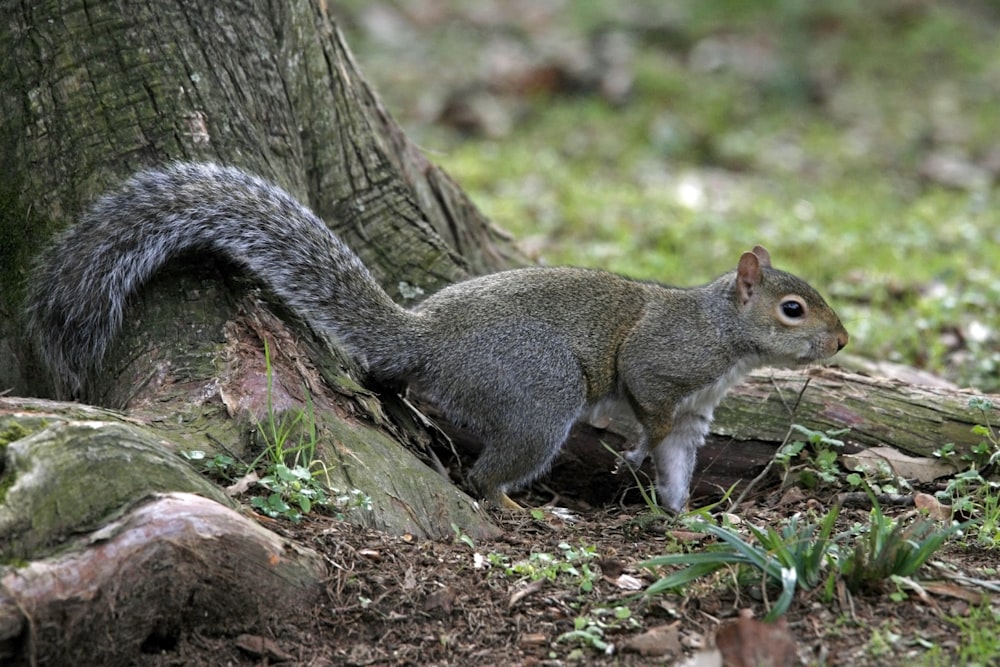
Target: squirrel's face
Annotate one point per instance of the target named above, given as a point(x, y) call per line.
point(787, 320)
point(813, 330)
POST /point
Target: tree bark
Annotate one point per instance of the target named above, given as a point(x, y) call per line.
point(210, 569)
point(94, 92)
point(877, 411)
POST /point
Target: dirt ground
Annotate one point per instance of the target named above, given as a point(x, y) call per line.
point(403, 601)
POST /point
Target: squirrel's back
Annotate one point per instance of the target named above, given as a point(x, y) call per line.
point(80, 286)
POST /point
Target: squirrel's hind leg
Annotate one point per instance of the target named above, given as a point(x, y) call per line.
point(514, 384)
point(512, 459)
point(526, 427)
point(524, 433)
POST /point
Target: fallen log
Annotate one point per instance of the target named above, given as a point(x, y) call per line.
point(755, 419)
point(878, 411)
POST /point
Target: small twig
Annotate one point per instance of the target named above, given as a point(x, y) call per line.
point(861, 500)
point(770, 464)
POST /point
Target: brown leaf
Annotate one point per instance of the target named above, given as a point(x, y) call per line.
point(934, 508)
point(746, 642)
point(657, 641)
point(240, 486)
point(921, 468)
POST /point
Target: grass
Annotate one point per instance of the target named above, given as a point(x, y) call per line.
point(977, 639)
point(806, 555)
point(817, 155)
point(791, 558)
point(975, 491)
point(889, 548)
point(570, 564)
point(293, 479)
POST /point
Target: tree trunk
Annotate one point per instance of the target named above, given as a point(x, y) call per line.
point(877, 411)
point(138, 594)
point(91, 93)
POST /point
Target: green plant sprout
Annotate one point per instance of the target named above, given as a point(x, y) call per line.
point(288, 461)
point(805, 554)
point(889, 548)
point(589, 630)
point(794, 557)
point(987, 451)
point(818, 451)
point(972, 492)
point(573, 563)
point(461, 536)
point(221, 466)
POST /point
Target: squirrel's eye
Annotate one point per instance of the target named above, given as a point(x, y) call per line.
point(793, 309)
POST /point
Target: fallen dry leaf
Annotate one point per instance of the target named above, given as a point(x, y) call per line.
point(934, 508)
point(657, 641)
point(627, 582)
point(920, 468)
point(240, 486)
point(747, 642)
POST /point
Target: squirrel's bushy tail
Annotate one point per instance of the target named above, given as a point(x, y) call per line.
point(80, 286)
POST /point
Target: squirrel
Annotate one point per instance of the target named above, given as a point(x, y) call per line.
point(516, 356)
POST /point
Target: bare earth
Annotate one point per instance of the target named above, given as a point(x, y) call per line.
point(403, 601)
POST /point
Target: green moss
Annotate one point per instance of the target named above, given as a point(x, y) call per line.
point(76, 475)
point(10, 431)
point(7, 478)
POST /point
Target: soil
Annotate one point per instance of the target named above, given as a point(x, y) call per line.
point(398, 600)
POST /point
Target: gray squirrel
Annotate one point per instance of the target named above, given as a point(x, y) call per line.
point(516, 356)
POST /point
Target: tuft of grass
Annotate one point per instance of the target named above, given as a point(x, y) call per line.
point(294, 480)
point(806, 555)
point(794, 557)
point(891, 549)
point(977, 640)
point(288, 459)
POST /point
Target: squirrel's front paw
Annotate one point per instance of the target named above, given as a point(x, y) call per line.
point(633, 458)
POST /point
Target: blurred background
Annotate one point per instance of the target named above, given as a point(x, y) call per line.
point(857, 141)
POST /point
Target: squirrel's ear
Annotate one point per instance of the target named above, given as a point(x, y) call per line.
point(763, 255)
point(748, 273)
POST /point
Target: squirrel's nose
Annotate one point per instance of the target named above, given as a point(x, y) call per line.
point(842, 341)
